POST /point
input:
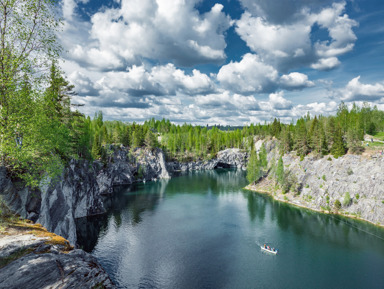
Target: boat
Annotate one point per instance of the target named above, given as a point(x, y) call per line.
point(269, 250)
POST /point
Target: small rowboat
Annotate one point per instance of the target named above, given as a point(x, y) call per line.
point(269, 250)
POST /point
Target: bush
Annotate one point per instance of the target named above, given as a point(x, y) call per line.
point(349, 172)
point(324, 178)
point(347, 199)
point(357, 196)
point(337, 205)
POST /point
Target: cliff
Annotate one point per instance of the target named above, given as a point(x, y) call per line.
point(352, 185)
point(79, 191)
point(229, 158)
point(32, 257)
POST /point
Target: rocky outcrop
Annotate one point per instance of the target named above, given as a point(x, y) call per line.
point(78, 191)
point(128, 166)
point(57, 203)
point(229, 158)
point(357, 182)
point(30, 261)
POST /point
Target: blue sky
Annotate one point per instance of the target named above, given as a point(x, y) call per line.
point(229, 62)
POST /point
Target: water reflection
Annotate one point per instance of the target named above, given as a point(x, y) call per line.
point(338, 230)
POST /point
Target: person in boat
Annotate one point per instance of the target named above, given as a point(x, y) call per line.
point(265, 246)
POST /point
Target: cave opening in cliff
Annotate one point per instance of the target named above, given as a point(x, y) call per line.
point(221, 165)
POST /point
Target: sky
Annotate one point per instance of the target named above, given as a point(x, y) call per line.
point(229, 62)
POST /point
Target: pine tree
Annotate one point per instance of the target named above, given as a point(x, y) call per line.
point(301, 144)
point(150, 140)
point(253, 168)
point(338, 148)
point(280, 172)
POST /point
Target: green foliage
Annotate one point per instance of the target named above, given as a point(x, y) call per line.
point(141, 171)
point(280, 176)
point(337, 205)
point(338, 147)
point(324, 178)
point(357, 196)
point(253, 168)
point(347, 199)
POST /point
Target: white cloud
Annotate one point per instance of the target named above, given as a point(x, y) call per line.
point(295, 80)
point(326, 63)
point(277, 101)
point(155, 29)
point(226, 101)
point(278, 45)
point(357, 91)
point(83, 84)
point(158, 80)
point(289, 45)
point(248, 76)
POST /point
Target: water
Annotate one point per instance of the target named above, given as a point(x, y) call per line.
point(202, 230)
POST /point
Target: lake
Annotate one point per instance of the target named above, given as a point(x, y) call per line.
point(202, 230)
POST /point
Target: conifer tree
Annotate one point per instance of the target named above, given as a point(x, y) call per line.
point(338, 148)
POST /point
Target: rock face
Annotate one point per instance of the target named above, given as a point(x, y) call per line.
point(47, 266)
point(126, 167)
point(356, 182)
point(229, 158)
point(78, 192)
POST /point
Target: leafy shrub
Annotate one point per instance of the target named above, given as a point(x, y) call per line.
point(347, 199)
point(357, 196)
point(337, 205)
point(324, 178)
point(329, 159)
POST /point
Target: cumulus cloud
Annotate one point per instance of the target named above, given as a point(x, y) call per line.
point(282, 11)
point(357, 91)
point(139, 81)
point(154, 29)
point(289, 45)
point(83, 84)
point(277, 101)
point(227, 101)
point(248, 76)
point(295, 81)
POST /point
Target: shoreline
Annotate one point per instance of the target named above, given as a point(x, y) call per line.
point(261, 189)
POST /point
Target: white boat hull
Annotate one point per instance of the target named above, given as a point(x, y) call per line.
point(269, 251)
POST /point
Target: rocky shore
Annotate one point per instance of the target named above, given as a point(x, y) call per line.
point(32, 257)
point(351, 185)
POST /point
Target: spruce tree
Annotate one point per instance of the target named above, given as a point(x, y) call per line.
point(280, 172)
point(338, 148)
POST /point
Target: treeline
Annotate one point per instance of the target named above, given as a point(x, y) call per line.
point(333, 134)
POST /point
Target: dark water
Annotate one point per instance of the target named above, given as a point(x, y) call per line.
point(203, 231)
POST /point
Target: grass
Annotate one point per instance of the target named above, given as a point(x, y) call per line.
point(379, 135)
point(13, 225)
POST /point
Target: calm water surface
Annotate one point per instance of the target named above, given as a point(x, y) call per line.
point(202, 230)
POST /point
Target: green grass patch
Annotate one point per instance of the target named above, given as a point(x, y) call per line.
point(379, 135)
